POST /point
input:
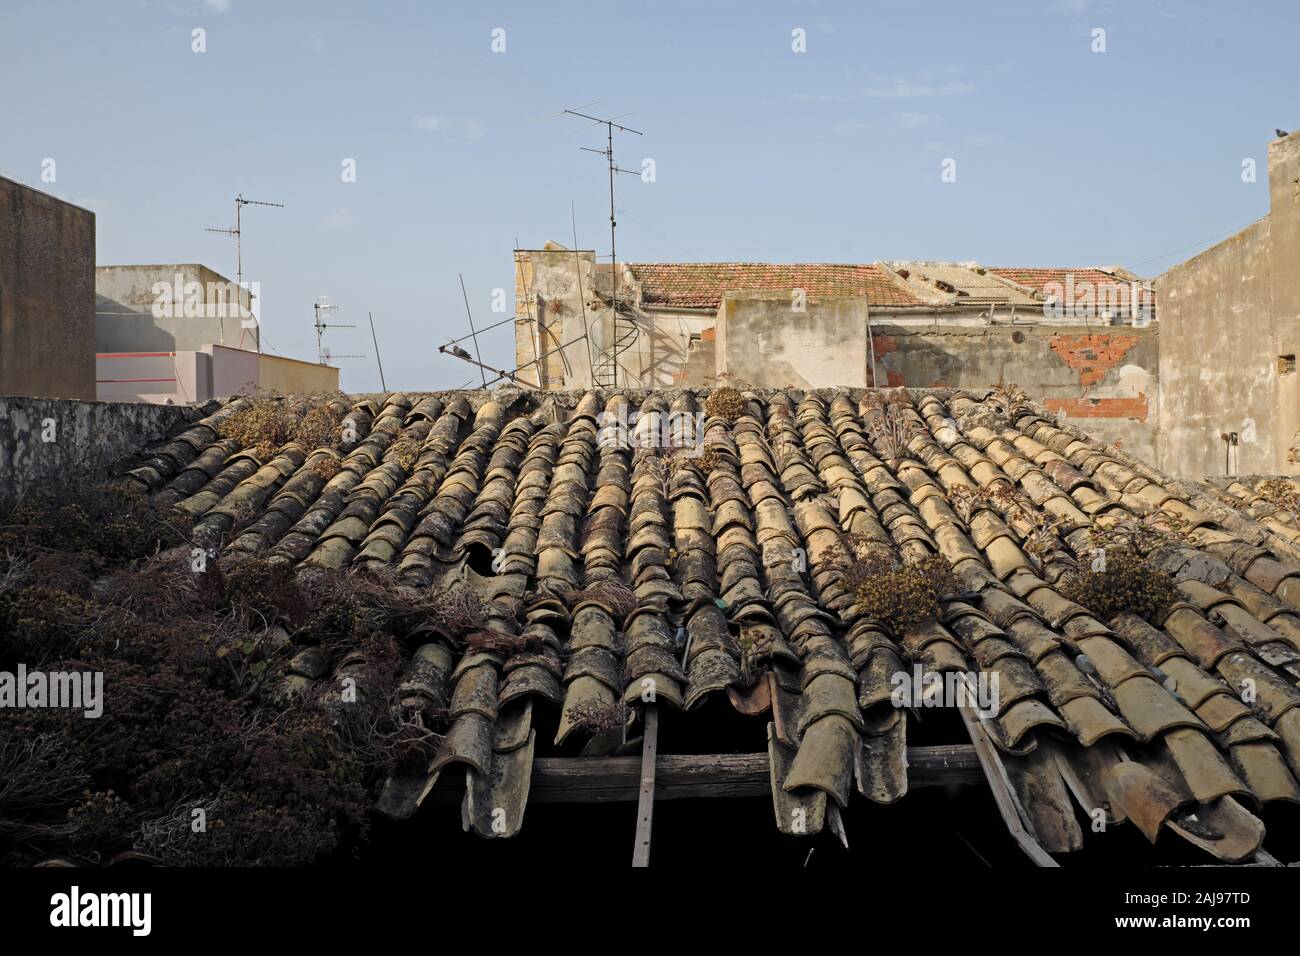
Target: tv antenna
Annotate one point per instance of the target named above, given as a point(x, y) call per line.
point(324, 307)
point(625, 330)
point(240, 203)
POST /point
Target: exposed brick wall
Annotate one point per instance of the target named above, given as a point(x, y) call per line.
point(1092, 355)
point(1100, 407)
point(882, 345)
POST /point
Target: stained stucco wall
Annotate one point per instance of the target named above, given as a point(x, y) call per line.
point(1217, 363)
point(85, 438)
point(293, 377)
point(47, 295)
point(1231, 316)
point(762, 341)
point(125, 319)
point(555, 293)
point(553, 286)
point(1103, 378)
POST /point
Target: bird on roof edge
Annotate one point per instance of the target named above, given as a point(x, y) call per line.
point(1281, 133)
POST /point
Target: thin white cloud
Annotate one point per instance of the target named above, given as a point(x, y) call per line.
point(1071, 8)
point(465, 129)
point(901, 89)
point(338, 219)
point(914, 120)
point(218, 6)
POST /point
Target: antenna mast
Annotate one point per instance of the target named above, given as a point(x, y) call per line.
point(323, 306)
point(625, 331)
point(240, 203)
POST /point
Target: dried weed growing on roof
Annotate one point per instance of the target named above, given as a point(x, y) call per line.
point(598, 718)
point(269, 423)
point(725, 403)
point(200, 709)
point(1120, 579)
point(1281, 494)
point(892, 593)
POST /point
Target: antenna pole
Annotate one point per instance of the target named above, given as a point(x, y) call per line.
point(473, 334)
point(378, 360)
point(237, 232)
point(239, 250)
point(620, 340)
point(323, 356)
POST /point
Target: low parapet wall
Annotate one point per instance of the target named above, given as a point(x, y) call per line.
point(52, 440)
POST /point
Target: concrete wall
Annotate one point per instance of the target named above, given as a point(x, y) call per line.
point(552, 287)
point(234, 371)
point(179, 378)
point(47, 295)
point(1217, 363)
point(1230, 315)
point(164, 378)
point(1103, 378)
point(762, 341)
point(125, 319)
point(84, 439)
point(293, 377)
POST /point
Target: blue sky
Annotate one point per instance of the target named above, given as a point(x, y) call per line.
point(1063, 156)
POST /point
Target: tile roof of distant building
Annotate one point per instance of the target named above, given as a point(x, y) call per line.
point(701, 285)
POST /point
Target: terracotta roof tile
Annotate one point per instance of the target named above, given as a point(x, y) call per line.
point(713, 579)
point(1103, 284)
point(701, 285)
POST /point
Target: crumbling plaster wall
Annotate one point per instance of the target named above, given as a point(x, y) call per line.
point(47, 441)
point(555, 294)
point(1102, 378)
point(763, 341)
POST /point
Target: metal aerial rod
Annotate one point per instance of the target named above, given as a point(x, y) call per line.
point(472, 333)
point(374, 338)
point(240, 203)
point(512, 374)
point(486, 328)
point(323, 355)
point(608, 153)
